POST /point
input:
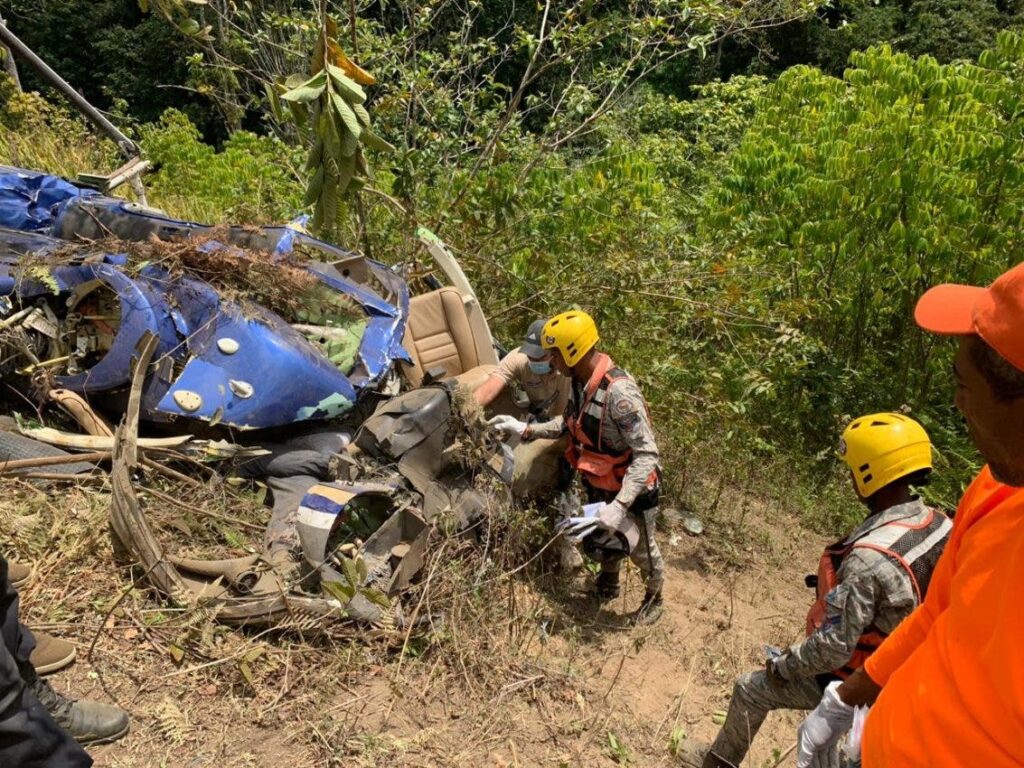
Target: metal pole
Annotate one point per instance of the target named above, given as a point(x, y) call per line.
point(128, 147)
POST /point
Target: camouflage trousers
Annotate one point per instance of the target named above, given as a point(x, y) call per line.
point(645, 555)
point(282, 535)
point(753, 697)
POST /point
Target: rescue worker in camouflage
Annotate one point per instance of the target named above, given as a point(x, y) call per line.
point(866, 584)
point(611, 446)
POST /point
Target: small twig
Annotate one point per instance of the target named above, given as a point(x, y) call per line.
point(124, 593)
point(49, 461)
point(171, 473)
point(59, 477)
point(783, 756)
point(215, 515)
point(622, 662)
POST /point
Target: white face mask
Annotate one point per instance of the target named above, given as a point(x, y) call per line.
point(541, 367)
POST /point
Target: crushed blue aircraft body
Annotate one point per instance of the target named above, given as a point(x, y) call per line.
point(269, 374)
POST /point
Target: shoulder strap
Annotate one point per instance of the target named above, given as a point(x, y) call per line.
point(604, 364)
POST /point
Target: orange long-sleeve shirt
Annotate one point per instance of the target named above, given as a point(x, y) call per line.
point(953, 671)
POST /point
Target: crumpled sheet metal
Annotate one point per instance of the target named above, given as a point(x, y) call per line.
point(97, 216)
point(326, 503)
point(30, 201)
point(404, 422)
point(413, 429)
point(277, 377)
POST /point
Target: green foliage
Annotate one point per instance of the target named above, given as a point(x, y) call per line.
point(945, 29)
point(617, 751)
point(111, 52)
point(951, 29)
point(846, 200)
point(252, 179)
point(752, 252)
point(36, 134)
point(330, 105)
point(687, 140)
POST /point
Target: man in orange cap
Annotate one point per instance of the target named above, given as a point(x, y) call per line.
point(947, 687)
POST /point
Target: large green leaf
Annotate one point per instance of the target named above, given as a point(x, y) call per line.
point(346, 115)
point(350, 89)
point(374, 141)
point(362, 115)
point(346, 171)
point(349, 143)
point(307, 91)
point(340, 592)
point(315, 187)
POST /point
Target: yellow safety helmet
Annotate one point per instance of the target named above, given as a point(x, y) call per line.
point(884, 447)
point(572, 333)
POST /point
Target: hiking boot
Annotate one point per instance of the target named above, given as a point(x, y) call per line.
point(607, 586)
point(696, 754)
point(88, 722)
point(692, 754)
point(650, 610)
point(51, 653)
point(18, 574)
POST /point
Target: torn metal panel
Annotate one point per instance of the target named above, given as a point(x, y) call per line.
point(332, 514)
point(216, 360)
point(30, 201)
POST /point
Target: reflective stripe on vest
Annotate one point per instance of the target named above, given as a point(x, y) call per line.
point(586, 454)
point(913, 546)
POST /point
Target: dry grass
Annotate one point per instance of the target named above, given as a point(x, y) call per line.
point(249, 277)
point(502, 662)
point(473, 635)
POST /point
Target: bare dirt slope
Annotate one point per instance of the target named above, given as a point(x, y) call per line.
point(557, 684)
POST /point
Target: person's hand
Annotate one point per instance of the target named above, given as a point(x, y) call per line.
point(771, 668)
point(819, 734)
point(859, 689)
point(577, 528)
point(509, 427)
point(612, 515)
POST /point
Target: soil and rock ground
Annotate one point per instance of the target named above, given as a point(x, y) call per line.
point(513, 669)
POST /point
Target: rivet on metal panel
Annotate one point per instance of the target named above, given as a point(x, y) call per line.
point(187, 400)
point(242, 389)
point(227, 346)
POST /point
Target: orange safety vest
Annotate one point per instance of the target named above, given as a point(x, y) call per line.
point(600, 467)
point(902, 543)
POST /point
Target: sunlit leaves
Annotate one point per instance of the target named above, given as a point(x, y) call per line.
point(854, 195)
point(330, 106)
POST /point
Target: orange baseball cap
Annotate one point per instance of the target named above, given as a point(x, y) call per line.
point(996, 313)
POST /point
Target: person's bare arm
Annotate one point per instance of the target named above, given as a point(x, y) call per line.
point(859, 689)
point(489, 391)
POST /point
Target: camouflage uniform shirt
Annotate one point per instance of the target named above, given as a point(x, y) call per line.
point(872, 591)
point(625, 426)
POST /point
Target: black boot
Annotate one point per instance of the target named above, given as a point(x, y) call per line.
point(650, 609)
point(88, 722)
point(607, 587)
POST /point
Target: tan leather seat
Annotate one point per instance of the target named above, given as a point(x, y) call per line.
point(439, 335)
